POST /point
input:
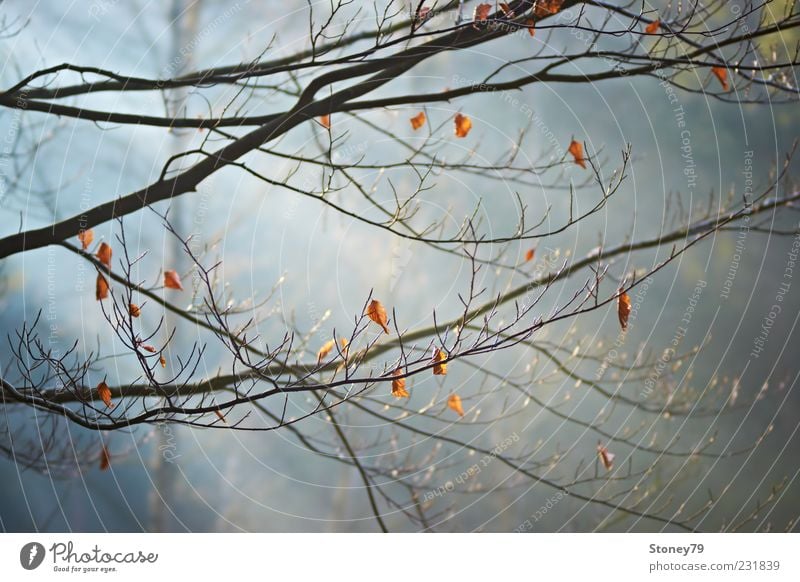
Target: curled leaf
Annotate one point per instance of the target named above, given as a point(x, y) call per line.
point(325, 121)
point(507, 12)
point(576, 149)
point(547, 7)
point(463, 125)
point(172, 280)
point(399, 385)
point(529, 255)
point(454, 404)
point(134, 310)
point(481, 12)
point(104, 392)
point(605, 457)
point(531, 26)
point(162, 360)
point(325, 350)
point(623, 309)
point(104, 254)
point(101, 288)
point(439, 368)
point(149, 348)
point(653, 27)
point(220, 415)
point(105, 458)
point(721, 73)
point(86, 237)
point(377, 313)
point(418, 120)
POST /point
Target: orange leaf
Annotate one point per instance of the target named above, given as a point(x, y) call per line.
point(172, 280)
point(86, 237)
point(531, 24)
point(399, 385)
point(104, 254)
point(220, 416)
point(101, 289)
point(104, 392)
point(547, 7)
point(481, 12)
point(722, 76)
point(325, 350)
point(605, 457)
point(162, 361)
point(134, 310)
point(653, 27)
point(463, 125)
point(507, 12)
point(623, 309)
point(576, 149)
point(418, 120)
point(325, 121)
point(439, 369)
point(105, 458)
point(454, 403)
point(148, 348)
point(377, 313)
point(529, 255)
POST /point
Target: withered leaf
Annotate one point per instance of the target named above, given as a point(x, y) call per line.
point(606, 457)
point(439, 367)
point(463, 125)
point(86, 237)
point(721, 73)
point(399, 385)
point(481, 12)
point(576, 149)
point(418, 120)
point(134, 310)
point(325, 121)
point(325, 350)
point(105, 458)
point(104, 392)
point(529, 255)
point(653, 27)
point(172, 280)
point(454, 404)
point(377, 313)
point(547, 7)
point(104, 254)
point(101, 288)
point(623, 309)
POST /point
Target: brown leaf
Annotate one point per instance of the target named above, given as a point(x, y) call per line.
point(325, 350)
point(163, 361)
point(418, 120)
point(220, 415)
point(481, 12)
point(529, 255)
point(623, 309)
point(377, 313)
point(531, 24)
point(101, 288)
point(463, 125)
point(105, 458)
point(104, 392)
point(507, 12)
point(721, 73)
point(172, 280)
point(325, 121)
point(148, 348)
point(454, 403)
point(547, 7)
point(104, 254)
point(134, 310)
point(399, 385)
point(439, 369)
point(576, 149)
point(86, 237)
point(605, 457)
point(653, 27)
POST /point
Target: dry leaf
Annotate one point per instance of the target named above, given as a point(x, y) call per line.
point(605, 457)
point(463, 125)
point(86, 237)
point(105, 458)
point(104, 392)
point(134, 310)
point(547, 7)
point(325, 350)
point(576, 149)
point(172, 280)
point(149, 348)
point(481, 12)
point(101, 289)
point(377, 313)
point(623, 309)
point(220, 416)
point(454, 403)
point(439, 369)
point(721, 73)
point(507, 12)
point(530, 253)
point(104, 254)
point(418, 120)
point(399, 385)
point(653, 27)
point(162, 360)
point(325, 121)
point(531, 24)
